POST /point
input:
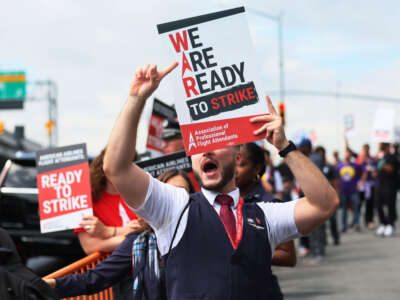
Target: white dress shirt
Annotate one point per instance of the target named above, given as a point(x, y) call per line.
point(164, 204)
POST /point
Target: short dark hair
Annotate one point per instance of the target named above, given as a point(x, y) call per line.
point(98, 180)
point(320, 149)
point(256, 155)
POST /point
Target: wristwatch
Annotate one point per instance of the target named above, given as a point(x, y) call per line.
point(289, 148)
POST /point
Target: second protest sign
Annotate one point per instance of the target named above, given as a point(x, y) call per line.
point(64, 187)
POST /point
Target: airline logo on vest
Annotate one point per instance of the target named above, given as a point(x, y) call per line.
point(252, 223)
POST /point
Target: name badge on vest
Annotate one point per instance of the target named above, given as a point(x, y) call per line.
point(256, 224)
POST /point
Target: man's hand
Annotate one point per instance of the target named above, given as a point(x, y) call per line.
point(147, 79)
point(273, 127)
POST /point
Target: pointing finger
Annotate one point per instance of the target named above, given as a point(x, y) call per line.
point(168, 69)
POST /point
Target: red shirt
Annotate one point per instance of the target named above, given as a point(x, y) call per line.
point(112, 210)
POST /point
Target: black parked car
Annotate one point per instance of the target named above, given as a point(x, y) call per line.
point(19, 215)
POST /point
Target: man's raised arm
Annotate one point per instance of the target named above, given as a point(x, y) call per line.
point(320, 199)
point(131, 181)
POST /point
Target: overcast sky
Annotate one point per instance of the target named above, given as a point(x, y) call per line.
point(92, 48)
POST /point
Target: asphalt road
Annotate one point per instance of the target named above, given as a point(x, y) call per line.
point(363, 267)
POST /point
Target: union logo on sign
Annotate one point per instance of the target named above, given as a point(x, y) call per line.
point(191, 142)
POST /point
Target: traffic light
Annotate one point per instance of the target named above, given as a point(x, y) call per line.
point(281, 108)
point(49, 127)
point(2, 130)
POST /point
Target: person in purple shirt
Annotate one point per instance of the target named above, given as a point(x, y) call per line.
point(349, 175)
point(367, 182)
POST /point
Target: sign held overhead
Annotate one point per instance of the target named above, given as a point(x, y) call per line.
point(216, 92)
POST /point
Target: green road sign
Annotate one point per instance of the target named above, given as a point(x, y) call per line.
point(12, 89)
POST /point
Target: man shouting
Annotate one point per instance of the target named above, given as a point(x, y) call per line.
point(222, 248)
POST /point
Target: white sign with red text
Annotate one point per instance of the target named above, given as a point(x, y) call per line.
point(64, 187)
point(216, 81)
point(383, 128)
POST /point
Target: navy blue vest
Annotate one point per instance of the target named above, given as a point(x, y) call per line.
point(204, 265)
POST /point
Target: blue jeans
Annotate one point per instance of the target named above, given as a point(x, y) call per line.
point(355, 202)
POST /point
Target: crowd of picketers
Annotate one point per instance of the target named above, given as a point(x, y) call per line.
point(367, 185)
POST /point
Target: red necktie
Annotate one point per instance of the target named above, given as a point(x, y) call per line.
point(226, 214)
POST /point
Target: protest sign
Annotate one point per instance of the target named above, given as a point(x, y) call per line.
point(64, 187)
point(177, 160)
point(161, 112)
point(215, 87)
point(383, 128)
point(348, 125)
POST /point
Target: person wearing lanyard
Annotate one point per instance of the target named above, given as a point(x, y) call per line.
point(218, 248)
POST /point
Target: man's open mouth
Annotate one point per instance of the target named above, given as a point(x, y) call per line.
point(209, 167)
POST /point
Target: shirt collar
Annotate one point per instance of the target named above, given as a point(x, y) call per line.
point(210, 196)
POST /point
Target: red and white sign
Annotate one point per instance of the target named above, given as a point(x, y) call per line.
point(161, 112)
point(216, 82)
point(154, 140)
point(64, 187)
point(383, 127)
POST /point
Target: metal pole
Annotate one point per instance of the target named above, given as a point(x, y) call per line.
point(53, 113)
point(279, 20)
point(338, 103)
point(281, 59)
point(52, 106)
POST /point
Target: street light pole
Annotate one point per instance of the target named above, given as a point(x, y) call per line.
point(281, 66)
point(279, 20)
point(51, 97)
point(53, 138)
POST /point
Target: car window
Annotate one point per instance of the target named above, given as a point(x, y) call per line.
point(20, 176)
